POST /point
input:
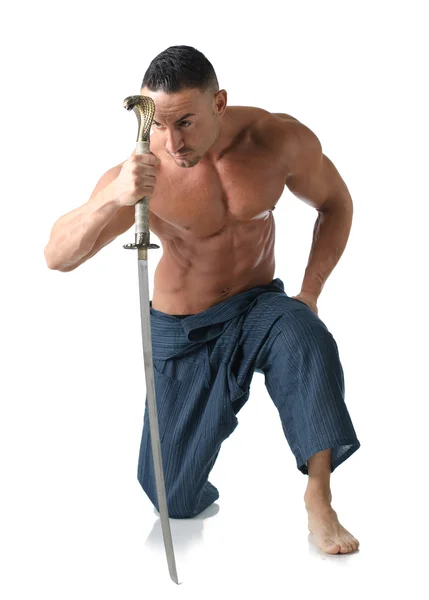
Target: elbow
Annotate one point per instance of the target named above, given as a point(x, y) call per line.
point(50, 261)
point(57, 266)
point(338, 204)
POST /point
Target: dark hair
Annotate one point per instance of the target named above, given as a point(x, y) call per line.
point(178, 68)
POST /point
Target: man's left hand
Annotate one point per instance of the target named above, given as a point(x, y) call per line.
point(309, 300)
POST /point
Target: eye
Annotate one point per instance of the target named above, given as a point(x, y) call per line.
point(188, 123)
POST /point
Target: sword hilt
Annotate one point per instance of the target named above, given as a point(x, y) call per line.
point(144, 108)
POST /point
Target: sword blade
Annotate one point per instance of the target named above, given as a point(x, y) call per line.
point(153, 415)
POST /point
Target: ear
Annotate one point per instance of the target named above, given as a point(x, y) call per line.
point(220, 102)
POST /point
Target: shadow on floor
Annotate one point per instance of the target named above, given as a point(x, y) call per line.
point(185, 533)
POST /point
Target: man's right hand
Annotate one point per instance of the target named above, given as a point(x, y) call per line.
point(137, 178)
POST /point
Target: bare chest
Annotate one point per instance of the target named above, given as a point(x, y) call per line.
point(243, 187)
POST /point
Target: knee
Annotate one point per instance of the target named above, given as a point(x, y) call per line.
point(175, 507)
point(177, 503)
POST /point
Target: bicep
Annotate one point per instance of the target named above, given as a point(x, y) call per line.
point(105, 179)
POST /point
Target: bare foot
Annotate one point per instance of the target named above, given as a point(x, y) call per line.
point(323, 523)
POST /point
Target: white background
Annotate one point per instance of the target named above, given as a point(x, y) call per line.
point(75, 522)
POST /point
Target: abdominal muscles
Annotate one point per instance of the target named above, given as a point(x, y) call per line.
point(195, 273)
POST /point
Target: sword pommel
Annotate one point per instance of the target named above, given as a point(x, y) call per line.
point(144, 108)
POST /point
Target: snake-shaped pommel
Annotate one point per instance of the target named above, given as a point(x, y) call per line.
point(144, 107)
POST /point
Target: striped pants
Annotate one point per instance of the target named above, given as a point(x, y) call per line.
point(203, 366)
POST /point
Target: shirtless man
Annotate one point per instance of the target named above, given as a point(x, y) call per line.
point(214, 176)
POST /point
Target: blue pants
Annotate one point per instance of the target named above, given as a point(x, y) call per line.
point(203, 366)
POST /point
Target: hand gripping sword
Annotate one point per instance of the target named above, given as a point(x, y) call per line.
point(144, 108)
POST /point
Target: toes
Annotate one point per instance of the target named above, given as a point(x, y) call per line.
point(349, 545)
point(337, 544)
point(353, 544)
point(332, 548)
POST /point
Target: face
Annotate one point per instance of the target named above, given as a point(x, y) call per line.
point(186, 123)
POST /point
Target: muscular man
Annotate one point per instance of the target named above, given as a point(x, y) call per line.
point(214, 176)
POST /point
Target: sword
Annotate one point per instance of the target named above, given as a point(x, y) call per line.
point(144, 108)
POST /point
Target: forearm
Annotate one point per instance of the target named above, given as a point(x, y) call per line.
point(74, 234)
point(330, 235)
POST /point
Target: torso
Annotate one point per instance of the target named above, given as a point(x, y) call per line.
point(215, 220)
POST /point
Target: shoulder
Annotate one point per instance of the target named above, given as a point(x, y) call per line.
point(284, 131)
point(287, 137)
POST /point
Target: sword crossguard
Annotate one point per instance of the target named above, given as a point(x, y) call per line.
point(141, 245)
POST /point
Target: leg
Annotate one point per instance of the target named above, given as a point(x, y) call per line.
point(323, 522)
point(319, 474)
point(304, 378)
point(193, 423)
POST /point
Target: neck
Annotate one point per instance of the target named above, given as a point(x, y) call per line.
point(222, 141)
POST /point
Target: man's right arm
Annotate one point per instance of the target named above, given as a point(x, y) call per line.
point(82, 232)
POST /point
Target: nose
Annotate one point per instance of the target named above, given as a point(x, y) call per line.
point(174, 142)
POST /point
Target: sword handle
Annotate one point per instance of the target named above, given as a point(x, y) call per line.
point(142, 233)
point(142, 206)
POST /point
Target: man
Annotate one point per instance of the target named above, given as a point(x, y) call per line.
point(214, 176)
